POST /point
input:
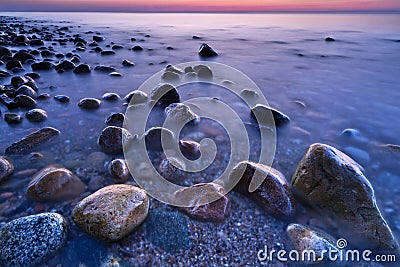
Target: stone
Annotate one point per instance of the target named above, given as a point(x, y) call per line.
point(107, 52)
point(82, 69)
point(44, 65)
point(170, 172)
point(12, 118)
point(112, 139)
point(65, 65)
point(136, 97)
point(304, 238)
point(115, 74)
point(165, 94)
point(190, 149)
point(33, 140)
point(33, 75)
point(358, 154)
point(6, 168)
point(273, 194)
point(137, 48)
point(5, 52)
point(127, 63)
point(89, 103)
point(104, 68)
point(116, 47)
point(119, 170)
point(329, 39)
point(13, 64)
point(36, 115)
point(197, 195)
point(26, 90)
point(153, 138)
point(62, 98)
point(115, 119)
point(54, 184)
point(207, 51)
point(334, 185)
point(43, 96)
point(180, 113)
point(170, 76)
point(46, 53)
point(195, 37)
point(262, 115)
point(168, 231)
point(204, 72)
point(110, 97)
point(36, 42)
point(21, 39)
point(112, 212)
point(25, 101)
point(97, 38)
point(30, 241)
point(18, 81)
point(8, 102)
point(23, 56)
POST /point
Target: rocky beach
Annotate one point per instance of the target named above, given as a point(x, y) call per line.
point(67, 195)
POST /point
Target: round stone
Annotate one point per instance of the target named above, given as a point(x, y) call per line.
point(89, 103)
point(36, 115)
point(112, 139)
point(6, 168)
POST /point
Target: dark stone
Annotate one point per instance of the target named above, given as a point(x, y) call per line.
point(89, 103)
point(127, 63)
point(119, 170)
point(36, 42)
point(44, 65)
point(103, 68)
point(25, 101)
point(263, 115)
point(62, 98)
point(111, 97)
point(6, 168)
point(23, 56)
point(12, 118)
point(137, 96)
point(115, 119)
point(115, 74)
point(21, 39)
point(4, 74)
point(97, 38)
point(116, 47)
point(153, 138)
point(207, 51)
point(195, 37)
point(8, 102)
point(107, 52)
point(46, 53)
point(329, 39)
point(137, 48)
point(36, 115)
point(33, 140)
point(165, 94)
point(190, 149)
point(168, 231)
point(112, 139)
point(17, 81)
point(33, 75)
point(82, 69)
point(65, 65)
point(5, 52)
point(26, 90)
point(43, 96)
point(13, 64)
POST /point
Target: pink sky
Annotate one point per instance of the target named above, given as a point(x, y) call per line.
point(198, 5)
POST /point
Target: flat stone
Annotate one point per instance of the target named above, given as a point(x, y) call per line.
point(273, 194)
point(31, 240)
point(196, 195)
point(33, 140)
point(104, 68)
point(334, 185)
point(113, 212)
point(62, 98)
point(54, 184)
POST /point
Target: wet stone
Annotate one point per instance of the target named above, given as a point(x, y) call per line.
point(273, 194)
point(165, 94)
point(29, 241)
point(6, 168)
point(44, 65)
point(104, 68)
point(197, 195)
point(181, 113)
point(54, 184)
point(82, 69)
point(33, 140)
point(36, 115)
point(115, 119)
point(190, 149)
point(65, 65)
point(153, 138)
point(206, 51)
point(112, 139)
point(110, 97)
point(127, 63)
point(25, 101)
point(137, 48)
point(89, 103)
point(171, 169)
point(136, 97)
point(263, 115)
point(13, 64)
point(12, 118)
point(26, 90)
point(119, 170)
point(23, 56)
point(112, 212)
point(62, 98)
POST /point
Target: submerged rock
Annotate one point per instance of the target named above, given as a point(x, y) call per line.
point(6, 168)
point(54, 184)
point(33, 140)
point(36, 115)
point(165, 94)
point(113, 212)
point(89, 103)
point(196, 195)
point(62, 98)
point(334, 185)
point(29, 241)
point(112, 139)
point(262, 115)
point(273, 194)
point(357, 154)
point(207, 51)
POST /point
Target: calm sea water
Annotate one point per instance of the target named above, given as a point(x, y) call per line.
point(353, 82)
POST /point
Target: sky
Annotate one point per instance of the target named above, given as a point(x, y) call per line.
point(199, 5)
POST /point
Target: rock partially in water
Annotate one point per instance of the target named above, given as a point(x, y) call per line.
point(127, 63)
point(18, 81)
point(23, 56)
point(115, 74)
point(110, 97)
point(273, 194)
point(12, 118)
point(98, 38)
point(113, 212)
point(119, 170)
point(115, 119)
point(65, 65)
point(170, 76)
point(165, 94)
point(190, 149)
point(137, 48)
point(136, 97)
point(104, 68)
point(26, 90)
point(25, 101)
point(21, 39)
point(334, 185)
point(197, 195)
point(4, 51)
point(171, 169)
point(357, 154)
point(13, 64)
point(89, 103)
point(207, 51)
point(44, 65)
point(107, 52)
point(304, 238)
point(31, 240)
point(8, 102)
point(329, 39)
point(82, 69)
point(54, 184)
point(62, 98)
point(168, 231)
point(112, 139)
point(154, 135)
point(36, 115)
point(181, 113)
point(6, 168)
point(262, 114)
point(33, 140)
